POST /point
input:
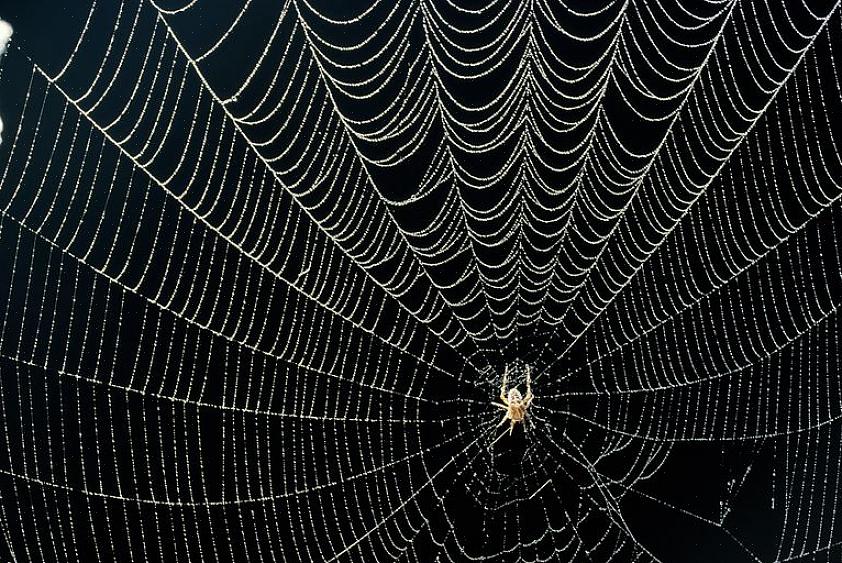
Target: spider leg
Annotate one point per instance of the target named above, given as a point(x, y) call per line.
point(502, 406)
point(502, 422)
point(495, 440)
point(503, 387)
point(529, 396)
point(528, 380)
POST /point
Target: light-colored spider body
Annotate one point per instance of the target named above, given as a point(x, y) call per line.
point(513, 402)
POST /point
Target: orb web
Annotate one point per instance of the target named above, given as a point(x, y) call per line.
point(265, 265)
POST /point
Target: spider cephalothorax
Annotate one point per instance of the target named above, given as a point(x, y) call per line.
point(513, 402)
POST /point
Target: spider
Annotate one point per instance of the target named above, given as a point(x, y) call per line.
point(514, 403)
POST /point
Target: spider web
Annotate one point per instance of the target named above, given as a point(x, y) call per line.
point(265, 264)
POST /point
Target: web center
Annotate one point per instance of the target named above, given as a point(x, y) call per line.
point(511, 400)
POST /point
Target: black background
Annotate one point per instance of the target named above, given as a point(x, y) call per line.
point(665, 513)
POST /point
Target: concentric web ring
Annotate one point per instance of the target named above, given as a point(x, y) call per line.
point(265, 264)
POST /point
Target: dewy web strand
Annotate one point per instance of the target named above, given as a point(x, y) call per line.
point(270, 264)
